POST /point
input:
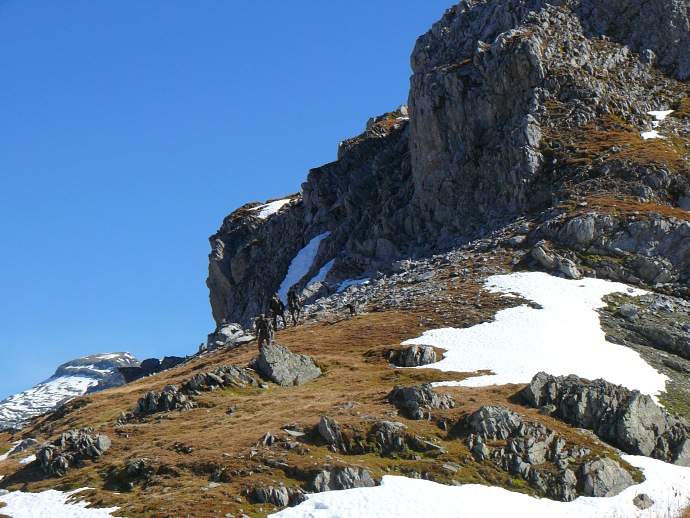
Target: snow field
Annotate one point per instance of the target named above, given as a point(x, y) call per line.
point(50, 504)
point(564, 337)
point(667, 485)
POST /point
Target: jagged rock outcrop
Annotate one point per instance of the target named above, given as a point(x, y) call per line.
point(516, 108)
point(280, 496)
point(626, 418)
point(73, 448)
point(182, 398)
point(538, 455)
point(418, 401)
point(280, 365)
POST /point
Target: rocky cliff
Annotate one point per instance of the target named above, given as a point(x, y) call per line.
point(555, 112)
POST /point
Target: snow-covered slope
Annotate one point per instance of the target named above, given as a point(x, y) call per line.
point(71, 379)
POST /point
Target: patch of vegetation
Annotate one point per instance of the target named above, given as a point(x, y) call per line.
point(676, 401)
point(611, 138)
point(628, 206)
point(681, 109)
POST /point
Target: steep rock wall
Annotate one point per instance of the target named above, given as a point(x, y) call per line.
point(515, 107)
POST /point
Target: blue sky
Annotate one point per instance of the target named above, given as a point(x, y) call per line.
point(129, 129)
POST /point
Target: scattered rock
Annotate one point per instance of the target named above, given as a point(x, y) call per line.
point(643, 501)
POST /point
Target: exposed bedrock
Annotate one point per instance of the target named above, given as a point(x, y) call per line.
point(515, 107)
point(626, 418)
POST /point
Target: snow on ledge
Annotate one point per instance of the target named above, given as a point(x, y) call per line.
point(264, 211)
point(667, 485)
point(50, 504)
point(564, 337)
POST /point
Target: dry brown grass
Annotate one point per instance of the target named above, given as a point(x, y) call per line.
point(626, 206)
point(610, 138)
point(352, 390)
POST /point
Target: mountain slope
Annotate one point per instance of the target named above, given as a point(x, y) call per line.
point(516, 109)
point(533, 152)
point(72, 379)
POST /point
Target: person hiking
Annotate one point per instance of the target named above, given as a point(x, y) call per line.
point(264, 331)
point(277, 308)
point(294, 304)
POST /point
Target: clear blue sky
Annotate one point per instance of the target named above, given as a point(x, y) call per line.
point(129, 129)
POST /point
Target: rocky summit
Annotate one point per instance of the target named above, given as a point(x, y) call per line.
point(72, 379)
point(451, 316)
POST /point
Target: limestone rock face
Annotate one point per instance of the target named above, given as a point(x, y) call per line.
point(517, 108)
point(541, 457)
point(627, 418)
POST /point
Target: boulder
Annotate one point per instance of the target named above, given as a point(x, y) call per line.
point(604, 477)
point(72, 449)
point(416, 402)
point(280, 496)
point(278, 364)
point(335, 479)
point(415, 356)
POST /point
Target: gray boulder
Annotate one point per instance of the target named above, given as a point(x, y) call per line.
point(278, 364)
point(604, 477)
point(538, 455)
point(389, 436)
point(416, 402)
point(415, 356)
point(71, 449)
point(643, 501)
point(342, 478)
point(280, 496)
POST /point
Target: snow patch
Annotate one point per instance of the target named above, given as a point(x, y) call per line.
point(7, 453)
point(264, 211)
point(50, 504)
point(321, 276)
point(666, 484)
point(346, 284)
point(659, 115)
point(28, 460)
point(651, 134)
point(301, 264)
point(564, 337)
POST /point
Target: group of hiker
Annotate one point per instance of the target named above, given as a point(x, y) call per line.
point(265, 324)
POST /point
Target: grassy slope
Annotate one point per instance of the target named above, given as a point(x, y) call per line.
point(356, 371)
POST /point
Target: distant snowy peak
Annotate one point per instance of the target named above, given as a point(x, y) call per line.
point(72, 379)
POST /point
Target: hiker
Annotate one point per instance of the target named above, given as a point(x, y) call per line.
point(294, 304)
point(264, 331)
point(277, 308)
